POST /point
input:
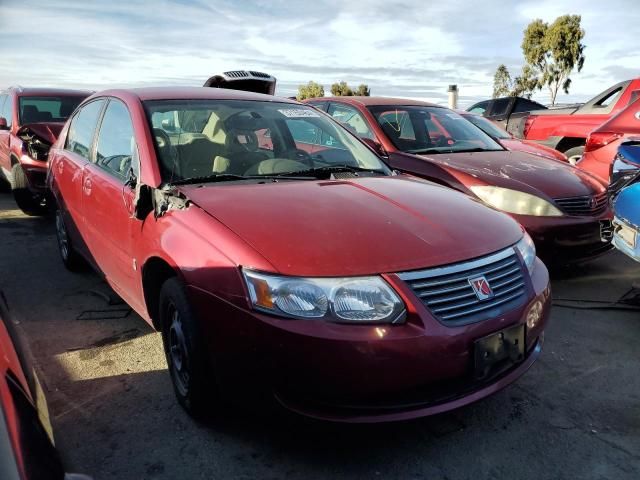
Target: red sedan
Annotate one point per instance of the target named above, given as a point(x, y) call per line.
point(564, 209)
point(603, 142)
point(27, 451)
point(509, 142)
point(277, 254)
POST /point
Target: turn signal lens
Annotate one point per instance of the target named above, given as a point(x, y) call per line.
point(534, 314)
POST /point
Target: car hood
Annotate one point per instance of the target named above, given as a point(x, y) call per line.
point(46, 132)
point(357, 227)
point(532, 147)
point(522, 171)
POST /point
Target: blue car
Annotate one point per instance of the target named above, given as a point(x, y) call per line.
point(624, 191)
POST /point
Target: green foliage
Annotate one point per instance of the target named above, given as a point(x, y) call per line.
point(341, 90)
point(524, 84)
point(554, 51)
point(363, 90)
point(310, 90)
point(501, 82)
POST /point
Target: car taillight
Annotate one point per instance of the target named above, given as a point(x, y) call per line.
point(598, 140)
point(527, 125)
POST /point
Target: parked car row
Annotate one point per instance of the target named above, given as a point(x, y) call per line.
point(354, 259)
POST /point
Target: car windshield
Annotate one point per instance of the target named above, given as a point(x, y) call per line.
point(417, 129)
point(47, 109)
point(488, 127)
point(232, 139)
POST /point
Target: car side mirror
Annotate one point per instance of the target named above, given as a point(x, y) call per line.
point(375, 146)
point(3, 124)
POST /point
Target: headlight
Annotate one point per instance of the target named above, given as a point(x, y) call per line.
point(345, 300)
point(527, 250)
point(514, 201)
point(621, 169)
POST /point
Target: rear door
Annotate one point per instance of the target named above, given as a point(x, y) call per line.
point(67, 166)
point(108, 200)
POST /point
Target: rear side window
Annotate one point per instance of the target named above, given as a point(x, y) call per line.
point(116, 145)
point(500, 107)
point(523, 105)
point(480, 108)
point(82, 128)
point(352, 119)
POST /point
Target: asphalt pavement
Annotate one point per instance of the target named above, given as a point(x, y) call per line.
point(574, 415)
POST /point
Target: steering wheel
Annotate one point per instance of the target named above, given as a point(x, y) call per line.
point(301, 156)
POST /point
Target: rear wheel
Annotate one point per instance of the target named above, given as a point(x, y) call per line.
point(574, 154)
point(70, 258)
point(27, 201)
point(191, 374)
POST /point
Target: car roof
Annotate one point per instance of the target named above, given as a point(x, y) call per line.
point(34, 92)
point(192, 93)
point(377, 101)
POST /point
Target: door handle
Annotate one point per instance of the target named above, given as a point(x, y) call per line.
point(60, 167)
point(86, 186)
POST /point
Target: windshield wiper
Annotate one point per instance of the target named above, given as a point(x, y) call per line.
point(333, 169)
point(224, 177)
point(452, 150)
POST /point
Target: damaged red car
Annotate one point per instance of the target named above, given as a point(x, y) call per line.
point(30, 121)
point(283, 260)
point(564, 209)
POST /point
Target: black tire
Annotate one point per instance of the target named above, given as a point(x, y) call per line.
point(574, 153)
point(71, 259)
point(193, 380)
point(27, 201)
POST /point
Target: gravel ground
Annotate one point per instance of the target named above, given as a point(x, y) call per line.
point(575, 414)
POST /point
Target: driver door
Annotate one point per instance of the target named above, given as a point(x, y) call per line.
point(108, 201)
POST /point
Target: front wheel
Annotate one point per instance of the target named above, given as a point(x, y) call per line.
point(30, 203)
point(191, 374)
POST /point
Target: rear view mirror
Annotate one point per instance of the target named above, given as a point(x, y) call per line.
point(375, 146)
point(3, 124)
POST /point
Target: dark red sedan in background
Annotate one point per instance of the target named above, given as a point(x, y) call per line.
point(564, 209)
point(278, 255)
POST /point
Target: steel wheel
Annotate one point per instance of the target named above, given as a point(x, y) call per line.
point(178, 352)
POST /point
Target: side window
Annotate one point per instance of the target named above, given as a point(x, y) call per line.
point(610, 99)
point(525, 106)
point(351, 119)
point(480, 108)
point(500, 107)
point(304, 132)
point(7, 109)
point(116, 150)
point(82, 128)
point(634, 96)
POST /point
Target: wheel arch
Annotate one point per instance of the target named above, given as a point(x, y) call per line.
point(567, 143)
point(155, 271)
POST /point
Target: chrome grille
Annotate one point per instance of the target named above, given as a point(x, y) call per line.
point(583, 206)
point(447, 292)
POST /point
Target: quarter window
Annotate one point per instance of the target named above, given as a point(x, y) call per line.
point(82, 128)
point(480, 108)
point(116, 148)
point(351, 119)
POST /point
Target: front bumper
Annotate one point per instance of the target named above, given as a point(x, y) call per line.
point(36, 172)
point(568, 239)
point(630, 249)
point(364, 373)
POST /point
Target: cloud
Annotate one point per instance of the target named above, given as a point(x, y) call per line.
point(397, 47)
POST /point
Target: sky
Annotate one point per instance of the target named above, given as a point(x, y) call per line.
point(401, 48)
